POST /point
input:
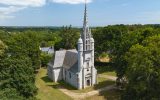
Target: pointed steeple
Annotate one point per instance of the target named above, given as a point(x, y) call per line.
point(85, 23)
point(86, 33)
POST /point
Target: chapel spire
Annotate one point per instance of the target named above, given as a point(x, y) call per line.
point(86, 33)
point(85, 23)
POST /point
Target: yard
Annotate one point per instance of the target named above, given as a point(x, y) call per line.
point(49, 90)
point(106, 95)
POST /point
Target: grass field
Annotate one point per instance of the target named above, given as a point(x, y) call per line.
point(109, 73)
point(106, 95)
point(47, 89)
point(102, 82)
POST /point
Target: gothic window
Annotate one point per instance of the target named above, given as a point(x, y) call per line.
point(88, 44)
point(87, 64)
point(86, 47)
point(70, 76)
point(88, 69)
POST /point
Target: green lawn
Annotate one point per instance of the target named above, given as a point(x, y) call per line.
point(109, 73)
point(102, 82)
point(47, 89)
point(106, 95)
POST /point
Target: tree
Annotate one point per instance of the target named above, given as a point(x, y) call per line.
point(26, 44)
point(10, 94)
point(18, 73)
point(143, 72)
point(45, 58)
point(2, 48)
point(69, 38)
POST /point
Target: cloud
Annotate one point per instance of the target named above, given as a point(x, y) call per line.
point(6, 11)
point(12, 6)
point(10, 9)
point(31, 3)
point(3, 17)
point(71, 1)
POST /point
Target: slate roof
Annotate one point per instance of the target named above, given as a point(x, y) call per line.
point(58, 59)
point(49, 50)
point(67, 59)
point(71, 61)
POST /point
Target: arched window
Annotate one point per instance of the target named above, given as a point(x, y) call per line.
point(70, 76)
point(87, 64)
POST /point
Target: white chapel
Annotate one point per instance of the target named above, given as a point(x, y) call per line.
point(76, 67)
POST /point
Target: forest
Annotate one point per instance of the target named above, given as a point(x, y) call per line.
point(134, 52)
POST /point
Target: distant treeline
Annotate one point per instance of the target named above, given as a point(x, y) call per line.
point(41, 28)
point(134, 51)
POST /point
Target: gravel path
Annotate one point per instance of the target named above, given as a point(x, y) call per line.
point(78, 96)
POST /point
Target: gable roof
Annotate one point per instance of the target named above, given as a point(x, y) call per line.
point(65, 58)
point(71, 61)
point(57, 59)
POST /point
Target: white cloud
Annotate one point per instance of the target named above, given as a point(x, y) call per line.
point(32, 3)
point(12, 6)
point(10, 9)
point(71, 1)
point(3, 17)
point(6, 11)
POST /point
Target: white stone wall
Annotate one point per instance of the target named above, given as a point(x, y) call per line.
point(57, 74)
point(80, 80)
point(73, 80)
point(94, 76)
point(50, 72)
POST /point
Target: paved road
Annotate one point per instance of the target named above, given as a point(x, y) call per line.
point(78, 96)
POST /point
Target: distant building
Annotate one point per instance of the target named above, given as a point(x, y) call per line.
point(47, 50)
point(76, 67)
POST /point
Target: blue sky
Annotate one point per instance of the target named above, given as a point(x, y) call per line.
point(70, 12)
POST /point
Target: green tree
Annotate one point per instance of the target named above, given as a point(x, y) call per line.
point(45, 58)
point(69, 38)
point(10, 94)
point(26, 44)
point(2, 48)
point(143, 73)
point(18, 73)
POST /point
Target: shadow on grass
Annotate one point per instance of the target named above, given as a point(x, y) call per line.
point(66, 85)
point(113, 94)
point(104, 84)
point(104, 67)
point(62, 84)
point(46, 79)
point(59, 84)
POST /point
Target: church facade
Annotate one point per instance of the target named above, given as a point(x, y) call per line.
point(76, 67)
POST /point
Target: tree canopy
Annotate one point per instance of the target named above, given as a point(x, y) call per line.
point(143, 73)
point(134, 51)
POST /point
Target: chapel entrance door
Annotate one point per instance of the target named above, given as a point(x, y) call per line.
point(88, 82)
